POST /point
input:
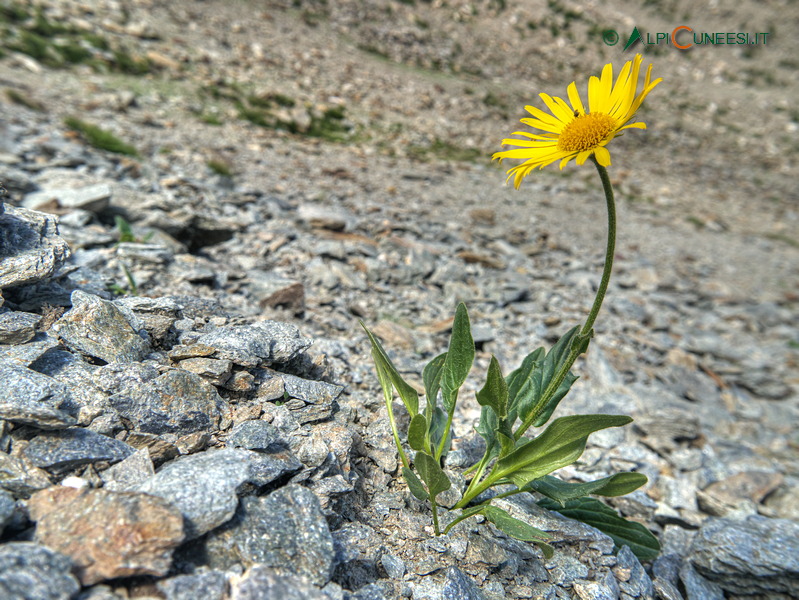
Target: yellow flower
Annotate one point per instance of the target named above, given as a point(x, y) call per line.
point(571, 132)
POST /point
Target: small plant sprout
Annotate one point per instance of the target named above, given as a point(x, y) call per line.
point(523, 448)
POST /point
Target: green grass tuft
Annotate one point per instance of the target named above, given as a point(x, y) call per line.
point(19, 98)
point(220, 167)
point(100, 138)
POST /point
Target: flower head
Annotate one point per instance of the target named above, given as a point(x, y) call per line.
point(571, 132)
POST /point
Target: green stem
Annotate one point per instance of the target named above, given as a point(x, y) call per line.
point(434, 506)
point(475, 480)
point(450, 415)
point(581, 339)
point(395, 433)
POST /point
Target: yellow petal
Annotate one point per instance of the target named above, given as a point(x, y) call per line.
point(602, 156)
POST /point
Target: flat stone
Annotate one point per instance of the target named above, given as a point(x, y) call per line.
point(262, 343)
point(159, 449)
point(93, 198)
point(29, 571)
point(30, 248)
point(309, 391)
point(19, 478)
point(211, 585)
point(458, 586)
point(747, 485)
point(272, 290)
point(31, 398)
point(696, 586)
point(262, 582)
point(285, 530)
point(320, 217)
point(7, 508)
point(214, 370)
point(755, 556)
point(18, 327)
point(33, 349)
point(204, 486)
point(70, 448)
point(255, 435)
point(107, 534)
point(173, 402)
point(632, 577)
point(99, 328)
point(156, 314)
point(130, 473)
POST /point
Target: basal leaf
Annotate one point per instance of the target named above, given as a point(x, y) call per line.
point(550, 406)
point(431, 375)
point(519, 380)
point(561, 491)
point(417, 432)
point(623, 532)
point(438, 427)
point(408, 395)
point(518, 529)
point(559, 445)
point(416, 487)
point(488, 426)
point(431, 473)
point(495, 391)
point(460, 357)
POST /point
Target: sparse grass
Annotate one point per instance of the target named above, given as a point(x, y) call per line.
point(18, 97)
point(695, 221)
point(100, 138)
point(781, 237)
point(211, 119)
point(446, 151)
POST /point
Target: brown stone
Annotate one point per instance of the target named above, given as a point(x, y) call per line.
point(107, 534)
point(749, 485)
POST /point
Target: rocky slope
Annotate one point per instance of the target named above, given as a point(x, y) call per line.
point(190, 406)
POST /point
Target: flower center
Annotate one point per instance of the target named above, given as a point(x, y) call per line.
point(585, 132)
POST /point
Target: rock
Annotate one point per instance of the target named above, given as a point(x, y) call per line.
point(7, 508)
point(319, 217)
point(215, 371)
point(174, 402)
point(107, 534)
point(211, 585)
point(458, 586)
point(93, 198)
point(100, 329)
point(29, 571)
point(30, 248)
point(130, 473)
point(31, 398)
point(156, 314)
point(255, 435)
point(748, 485)
point(285, 530)
point(633, 580)
point(204, 486)
point(21, 479)
point(70, 448)
point(260, 344)
point(272, 290)
point(27, 353)
point(18, 327)
point(265, 583)
point(696, 586)
point(755, 556)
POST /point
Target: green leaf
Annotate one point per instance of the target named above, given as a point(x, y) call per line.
point(409, 395)
point(519, 529)
point(460, 357)
point(495, 391)
point(431, 375)
point(623, 532)
point(488, 426)
point(531, 380)
point(416, 487)
point(561, 491)
point(431, 473)
point(417, 432)
point(438, 427)
point(559, 445)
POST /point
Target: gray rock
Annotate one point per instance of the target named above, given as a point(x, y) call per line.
point(696, 586)
point(129, 473)
point(70, 448)
point(262, 582)
point(21, 479)
point(255, 435)
point(262, 343)
point(214, 370)
point(284, 530)
point(156, 314)
point(30, 248)
point(29, 571)
point(31, 398)
point(174, 402)
point(93, 198)
point(7, 507)
point(755, 556)
point(100, 592)
point(211, 585)
point(458, 586)
point(204, 486)
point(272, 290)
point(27, 353)
point(309, 391)
point(394, 566)
point(606, 589)
point(18, 327)
point(633, 580)
point(100, 329)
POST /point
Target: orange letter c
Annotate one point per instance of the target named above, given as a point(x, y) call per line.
point(674, 37)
